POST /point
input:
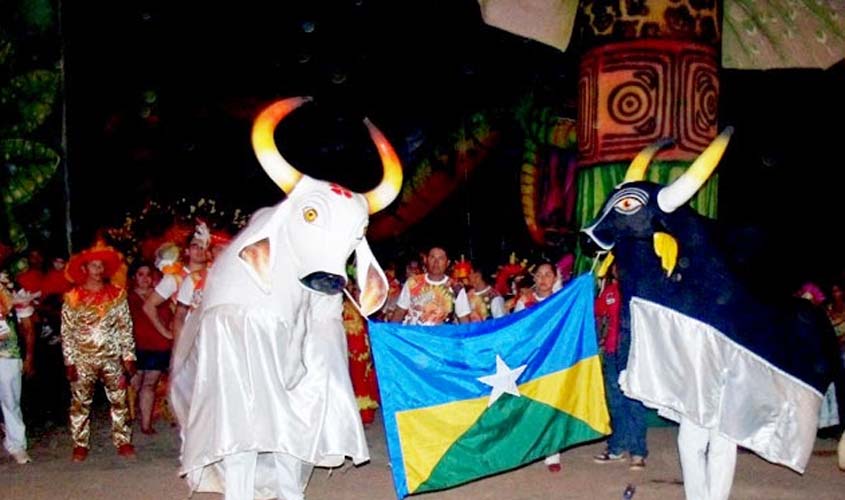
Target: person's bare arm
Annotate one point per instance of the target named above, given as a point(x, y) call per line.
point(398, 315)
point(28, 330)
point(151, 310)
point(179, 319)
point(462, 305)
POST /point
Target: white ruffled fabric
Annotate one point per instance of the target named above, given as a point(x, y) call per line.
point(238, 400)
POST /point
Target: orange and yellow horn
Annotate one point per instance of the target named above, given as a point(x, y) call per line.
point(391, 181)
point(280, 171)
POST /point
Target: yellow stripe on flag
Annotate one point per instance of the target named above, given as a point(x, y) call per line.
point(427, 433)
point(577, 390)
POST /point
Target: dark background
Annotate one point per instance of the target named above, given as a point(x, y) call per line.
point(161, 95)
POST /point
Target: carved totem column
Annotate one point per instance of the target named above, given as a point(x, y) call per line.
point(649, 70)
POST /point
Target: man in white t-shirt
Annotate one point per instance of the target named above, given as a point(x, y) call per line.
point(432, 298)
point(190, 291)
point(168, 287)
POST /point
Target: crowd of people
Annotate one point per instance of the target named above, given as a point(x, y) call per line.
point(92, 319)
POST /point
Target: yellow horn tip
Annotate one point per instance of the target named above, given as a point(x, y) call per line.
point(382, 195)
point(639, 165)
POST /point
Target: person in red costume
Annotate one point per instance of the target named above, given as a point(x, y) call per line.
point(97, 344)
point(55, 282)
point(32, 278)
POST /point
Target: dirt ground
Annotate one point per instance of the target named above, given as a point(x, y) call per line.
point(154, 474)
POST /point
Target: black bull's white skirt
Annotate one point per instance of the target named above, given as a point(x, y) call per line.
point(683, 367)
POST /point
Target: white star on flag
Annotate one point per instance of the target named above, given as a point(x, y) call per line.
point(504, 380)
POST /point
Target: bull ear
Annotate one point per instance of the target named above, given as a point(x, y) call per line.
point(256, 256)
point(605, 265)
point(372, 282)
point(666, 247)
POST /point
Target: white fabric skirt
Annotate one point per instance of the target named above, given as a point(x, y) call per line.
point(230, 396)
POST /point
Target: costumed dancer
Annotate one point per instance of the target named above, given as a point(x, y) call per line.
point(190, 292)
point(731, 369)
point(97, 344)
point(260, 380)
point(168, 262)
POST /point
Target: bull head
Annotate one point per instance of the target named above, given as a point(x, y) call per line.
point(638, 209)
point(322, 223)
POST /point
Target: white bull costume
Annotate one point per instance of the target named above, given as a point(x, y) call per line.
point(260, 382)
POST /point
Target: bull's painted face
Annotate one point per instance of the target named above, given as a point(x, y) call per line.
point(327, 224)
point(630, 211)
point(636, 208)
point(323, 223)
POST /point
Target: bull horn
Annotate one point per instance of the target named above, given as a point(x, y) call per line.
point(391, 181)
point(639, 165)
point(280, 171)
point(679, 192)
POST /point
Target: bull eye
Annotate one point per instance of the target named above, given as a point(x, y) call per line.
point(309, 214)
point(628, 205)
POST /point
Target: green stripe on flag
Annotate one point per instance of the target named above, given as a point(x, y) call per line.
point(515, 430)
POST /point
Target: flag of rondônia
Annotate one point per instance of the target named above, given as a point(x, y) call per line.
point(465, 401)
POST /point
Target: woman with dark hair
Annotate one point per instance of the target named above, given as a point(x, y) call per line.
point(152, 348)
point(545, 277)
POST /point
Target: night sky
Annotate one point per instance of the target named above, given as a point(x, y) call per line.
point(164, 93)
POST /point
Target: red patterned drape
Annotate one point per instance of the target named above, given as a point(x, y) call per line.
point(360, 362)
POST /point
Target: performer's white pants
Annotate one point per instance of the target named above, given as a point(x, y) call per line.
point(708, 462)
point(291, 475)
point(10, 400)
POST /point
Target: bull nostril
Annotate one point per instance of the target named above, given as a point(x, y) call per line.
point(323, 282)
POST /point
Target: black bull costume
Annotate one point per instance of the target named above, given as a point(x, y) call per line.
point(260, 382)
point(703, 348)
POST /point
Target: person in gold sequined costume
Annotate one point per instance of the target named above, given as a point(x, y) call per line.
point(97, 344)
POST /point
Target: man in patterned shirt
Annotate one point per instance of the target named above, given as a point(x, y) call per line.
point(12, 366)
point(432, 298)
point(485, 301)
